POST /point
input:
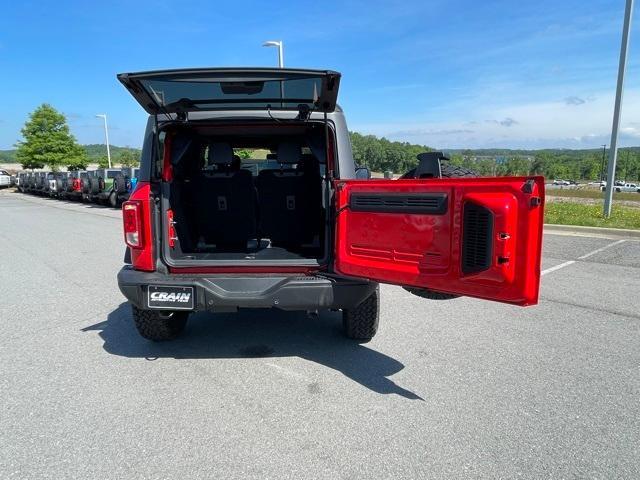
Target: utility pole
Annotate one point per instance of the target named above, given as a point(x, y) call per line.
point(106, 135)
point(604, 151)
point(613, 151)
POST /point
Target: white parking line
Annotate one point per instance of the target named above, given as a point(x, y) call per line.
point(557, 267)
point(600, 250)
point(586, 255)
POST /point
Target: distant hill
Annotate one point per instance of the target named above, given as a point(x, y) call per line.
point(94, 152)
point(97, 150)
point(7, 156)
point(506, 152)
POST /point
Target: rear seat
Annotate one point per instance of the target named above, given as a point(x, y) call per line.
point(186, 164)
point(283, 196)
point(225, 201)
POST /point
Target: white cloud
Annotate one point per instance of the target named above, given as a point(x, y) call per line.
point(529, 125)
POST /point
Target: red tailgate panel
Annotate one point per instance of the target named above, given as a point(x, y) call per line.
point(412, 233)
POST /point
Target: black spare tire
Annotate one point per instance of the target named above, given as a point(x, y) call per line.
point(120, 184)
point(94, 185)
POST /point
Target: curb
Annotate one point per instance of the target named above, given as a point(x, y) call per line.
point(580, 230)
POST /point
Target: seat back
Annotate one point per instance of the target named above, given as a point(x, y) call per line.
point(283, 199)
point(224, 200)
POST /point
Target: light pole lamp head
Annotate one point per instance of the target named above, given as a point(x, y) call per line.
point(272, 43)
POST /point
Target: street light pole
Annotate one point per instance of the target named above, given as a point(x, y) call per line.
point(279, 44)
point(106, 136)
point(613, 151)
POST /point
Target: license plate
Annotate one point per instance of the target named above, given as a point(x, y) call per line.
point(170, 298)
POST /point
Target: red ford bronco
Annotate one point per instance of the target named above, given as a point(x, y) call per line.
point(248, 197)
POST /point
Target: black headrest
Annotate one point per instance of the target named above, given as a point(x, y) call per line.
point(220, 153)
point(289, 152)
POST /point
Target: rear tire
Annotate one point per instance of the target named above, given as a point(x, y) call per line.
point(158, 326)
point(361, 322)
point(113, 199)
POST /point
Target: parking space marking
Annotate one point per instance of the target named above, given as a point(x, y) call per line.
point(557, 267)
point(587, 255)
point(582, 257)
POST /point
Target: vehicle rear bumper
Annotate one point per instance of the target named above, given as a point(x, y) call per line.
point(230, 292)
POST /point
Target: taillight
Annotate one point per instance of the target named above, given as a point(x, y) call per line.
point(171, 229)
point(136, 218)
point(132, 218)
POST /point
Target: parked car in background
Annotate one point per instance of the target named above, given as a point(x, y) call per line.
point(57, 184)
point(86, 186)
point(5, 179)
point(108, 186)
point(25, 181)
point(73, 189)
point(131, 180)
point(627, 187)
point(41, 185)
point(562, 182)
point(32, 182)
point(105, 185)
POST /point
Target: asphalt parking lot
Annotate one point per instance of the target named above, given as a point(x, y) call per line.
point(459, 389)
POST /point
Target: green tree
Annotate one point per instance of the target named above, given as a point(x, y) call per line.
point(47, 141)
point(103, 162)
point(380, 154)
point(243, 153)
point(129, 158)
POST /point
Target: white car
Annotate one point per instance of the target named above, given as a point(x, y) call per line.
point(627, 187)
point(5, 179)
point(562, 182)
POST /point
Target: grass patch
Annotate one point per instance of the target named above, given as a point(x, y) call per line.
point(590, 193)
point(567, 213)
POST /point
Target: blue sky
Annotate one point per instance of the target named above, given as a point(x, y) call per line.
point(443, 73)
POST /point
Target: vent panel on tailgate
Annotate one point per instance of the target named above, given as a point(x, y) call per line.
point(426, 204)
point(477, 232)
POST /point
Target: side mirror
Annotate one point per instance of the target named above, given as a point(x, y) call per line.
point(363, 173)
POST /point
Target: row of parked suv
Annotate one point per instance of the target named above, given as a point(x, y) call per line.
point(106, 186)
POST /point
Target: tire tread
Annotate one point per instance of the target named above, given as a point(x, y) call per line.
point(152, 326)
point(361, 322)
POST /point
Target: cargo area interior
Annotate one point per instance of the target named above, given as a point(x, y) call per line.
point(250, 197)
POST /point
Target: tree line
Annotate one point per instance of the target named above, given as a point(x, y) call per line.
point(47, 140)
point(380, 154)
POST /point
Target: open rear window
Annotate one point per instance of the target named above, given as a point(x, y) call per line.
point(174, 91)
